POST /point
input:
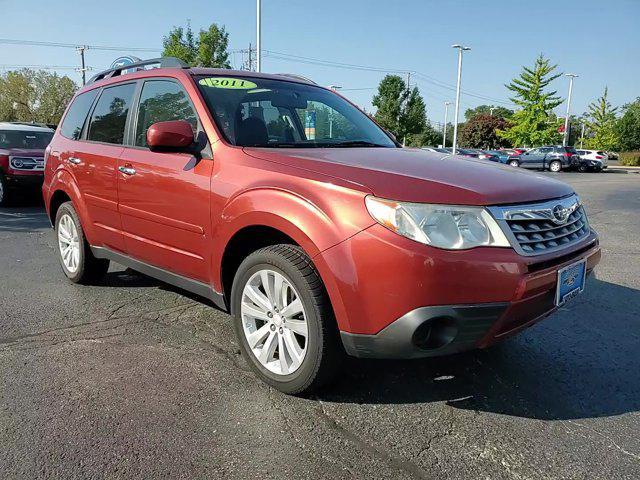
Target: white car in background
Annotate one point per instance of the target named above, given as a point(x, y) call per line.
point(594, 159)
point(595, 156)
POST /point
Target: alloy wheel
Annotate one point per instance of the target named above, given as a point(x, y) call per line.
point(69, 243)
point(555, 166)
point(274, 322)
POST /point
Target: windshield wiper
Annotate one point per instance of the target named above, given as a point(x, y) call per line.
point(354, 143)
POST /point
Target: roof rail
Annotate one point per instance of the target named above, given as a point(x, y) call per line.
point(297, 77)
point(163, 62)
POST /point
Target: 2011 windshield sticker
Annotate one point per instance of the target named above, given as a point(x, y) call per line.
point(230, 83)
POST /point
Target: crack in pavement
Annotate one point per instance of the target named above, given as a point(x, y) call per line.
point(398, 463)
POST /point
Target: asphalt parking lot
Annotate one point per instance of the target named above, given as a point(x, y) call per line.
point(136, 379)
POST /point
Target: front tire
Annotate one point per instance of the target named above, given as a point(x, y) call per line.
point(514, 163)
point(76, 259)
point(4, 192)
point(284, 321)
point(555, 166)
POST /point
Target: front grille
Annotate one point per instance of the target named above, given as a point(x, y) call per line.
point(543, 227)
point(539, 236)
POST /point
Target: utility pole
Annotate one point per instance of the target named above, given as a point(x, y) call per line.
point(259, 35)
point(250, 59)
point(406, 105)
point(491, 111)
point(582, 134)
point(83, 68)
point(444, 127)
point(457, 112)
point(565, 137)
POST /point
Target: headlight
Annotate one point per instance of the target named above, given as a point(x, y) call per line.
point(444, 226)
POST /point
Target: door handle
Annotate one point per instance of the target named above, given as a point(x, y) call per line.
point(127, 170)
point(74, 160)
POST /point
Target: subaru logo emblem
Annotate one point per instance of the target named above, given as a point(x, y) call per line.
point(560, 214)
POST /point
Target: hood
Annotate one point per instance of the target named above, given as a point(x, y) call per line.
point(414, 175)
point(22, 152)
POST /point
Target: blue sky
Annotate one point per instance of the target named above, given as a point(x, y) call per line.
point(598, 40)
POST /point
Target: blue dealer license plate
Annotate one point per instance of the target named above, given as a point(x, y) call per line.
point(571, 281)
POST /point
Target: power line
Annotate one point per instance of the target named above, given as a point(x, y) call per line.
point(11, 41)
point(424, 77)
point(40, 67)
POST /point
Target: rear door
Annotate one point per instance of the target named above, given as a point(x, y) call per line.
point(532, 158)
point(164, 197)
point(93, 160)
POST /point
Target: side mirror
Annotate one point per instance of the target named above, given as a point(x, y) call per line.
point(173, 136)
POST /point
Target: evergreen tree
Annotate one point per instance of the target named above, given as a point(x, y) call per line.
point(208, 50)
point(601, 122)
point(401, 110)
point(534, 123)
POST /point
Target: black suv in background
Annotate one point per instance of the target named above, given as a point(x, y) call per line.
point(551, 157)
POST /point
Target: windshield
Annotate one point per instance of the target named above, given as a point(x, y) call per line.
point(258, 112)
point(24, 139)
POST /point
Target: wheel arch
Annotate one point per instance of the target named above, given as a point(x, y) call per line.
point(63, 189)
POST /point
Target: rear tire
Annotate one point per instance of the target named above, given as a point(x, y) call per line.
point(76, 259)
point(582, 168)
point(514, 163)
point(555, 166)
point(264, 315)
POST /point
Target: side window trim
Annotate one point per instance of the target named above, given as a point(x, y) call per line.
point(85, 126)
point(87, 116)
point(130, 131)
point(85, 131)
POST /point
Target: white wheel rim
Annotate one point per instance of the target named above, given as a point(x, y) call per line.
point(513, 164)
point(274, 322)
point(555, 167)
point(69, 243)
point(1, 191)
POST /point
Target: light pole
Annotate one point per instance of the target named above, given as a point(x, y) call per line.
point(491, 111)
point(259, 35)
point(582, 134)
point(457, 112)
point(444, 128)
point(565, 138)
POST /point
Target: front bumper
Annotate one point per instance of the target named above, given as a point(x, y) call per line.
point(24, 179)
point(394, 298)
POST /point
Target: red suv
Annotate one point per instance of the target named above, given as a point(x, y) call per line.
point(21, 157)
point(282, 202)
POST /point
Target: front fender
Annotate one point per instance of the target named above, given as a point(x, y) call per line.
point(316, 225)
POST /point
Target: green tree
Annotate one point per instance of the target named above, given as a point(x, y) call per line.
point(500, 112)
point(601, 122)
point(209, 49)
point(480, 132)
point(628, 126)
point(401, 110)
point(34, 96)
point(534, 123)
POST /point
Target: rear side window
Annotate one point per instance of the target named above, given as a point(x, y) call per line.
point(74, 119)
point(162, 101)
point(110, 115)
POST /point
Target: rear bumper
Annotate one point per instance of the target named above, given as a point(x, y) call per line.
point(396, 299)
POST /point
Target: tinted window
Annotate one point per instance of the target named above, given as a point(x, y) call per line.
point(77, 114)
point(161, 101)
point(110, 115)
point(24, 139)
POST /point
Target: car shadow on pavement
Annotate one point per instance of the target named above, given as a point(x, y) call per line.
point(582, 362)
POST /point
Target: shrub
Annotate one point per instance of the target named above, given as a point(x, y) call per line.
point(631, 159)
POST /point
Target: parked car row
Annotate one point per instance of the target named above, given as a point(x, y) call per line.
point(554, 158)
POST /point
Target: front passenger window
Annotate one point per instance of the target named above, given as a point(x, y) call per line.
point(162, 101)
